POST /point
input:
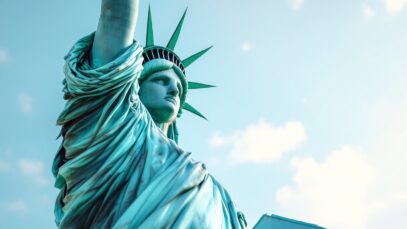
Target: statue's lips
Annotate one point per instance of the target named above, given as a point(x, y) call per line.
point(171, 99)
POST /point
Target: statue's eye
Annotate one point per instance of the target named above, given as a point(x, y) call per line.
point(160, 81)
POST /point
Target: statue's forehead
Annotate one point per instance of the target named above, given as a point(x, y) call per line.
point(169, 73)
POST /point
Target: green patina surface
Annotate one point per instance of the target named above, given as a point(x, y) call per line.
point(115, 168)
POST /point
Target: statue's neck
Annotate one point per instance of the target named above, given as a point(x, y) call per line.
point(163, 126)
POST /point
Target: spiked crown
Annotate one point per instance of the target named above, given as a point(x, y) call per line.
point(166, 54)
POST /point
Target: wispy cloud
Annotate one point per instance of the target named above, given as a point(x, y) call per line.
point(25, 101)
point(33, 169)
point(296, 4)
point(394, 6)
point(4, 166)
point(44, 200)
point(17, 206)
point(247, 46)
point(368, 11)
point(3, 55)
point(217, 140)
point(260, 142)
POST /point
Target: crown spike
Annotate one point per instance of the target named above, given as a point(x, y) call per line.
point(195, 85)
point(191, 109)
point(188, 61)
point(150, 34)
point(174, 38)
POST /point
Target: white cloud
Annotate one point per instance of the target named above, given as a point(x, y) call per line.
point(3, 56)
point(261, 142)
point(394, 6)
point(368, 12)
point(17, 206)
point(25, 101)
point(389, 125)
point(33, 169)
point(389, 133)
point(247, 47)
point(365, 190)
point(297, 4)
point(331, 193)
point(389, 213)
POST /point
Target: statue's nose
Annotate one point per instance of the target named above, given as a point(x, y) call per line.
point(173, 89)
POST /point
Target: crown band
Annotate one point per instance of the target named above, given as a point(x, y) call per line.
point(158, 52)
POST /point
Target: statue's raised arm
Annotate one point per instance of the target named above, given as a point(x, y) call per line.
point(115, 31)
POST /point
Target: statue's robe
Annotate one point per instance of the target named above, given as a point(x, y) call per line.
point(115, 168)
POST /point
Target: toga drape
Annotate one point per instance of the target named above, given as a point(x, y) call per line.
point(115, 168)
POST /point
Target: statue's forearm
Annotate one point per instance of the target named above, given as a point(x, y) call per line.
point(115, 31)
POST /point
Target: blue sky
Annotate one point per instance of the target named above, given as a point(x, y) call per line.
point(308, 119)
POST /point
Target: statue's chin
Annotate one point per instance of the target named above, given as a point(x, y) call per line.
point(164, 115)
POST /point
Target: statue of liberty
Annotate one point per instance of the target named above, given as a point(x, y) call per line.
point(119, 165)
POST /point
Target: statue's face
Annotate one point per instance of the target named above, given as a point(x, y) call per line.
point(160, 93)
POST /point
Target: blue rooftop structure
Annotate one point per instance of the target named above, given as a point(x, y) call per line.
point(279, 222)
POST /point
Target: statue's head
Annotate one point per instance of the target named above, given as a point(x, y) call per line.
point(163, 83)
point(161, 93)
